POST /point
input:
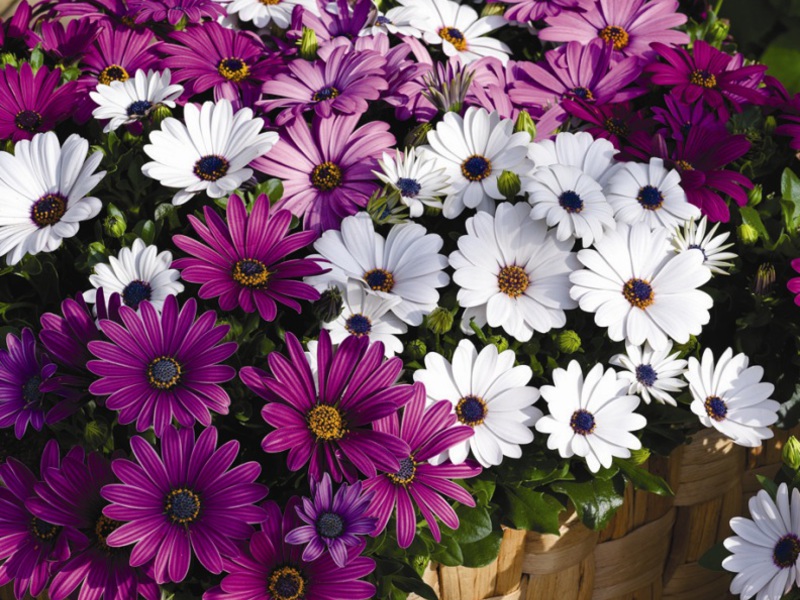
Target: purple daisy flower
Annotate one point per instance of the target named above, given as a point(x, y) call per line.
point(679, 118)
point(327, 170)
point(337, 19)
point(428, 432)
point(491, 82)
point(119, 12)
point(157, 367)
point(33, 103)
point(69, 496)
point(628, 26)
point(186, 501)
point(17, 34)
point(614, 122)
point(340, 83)
point(66, 42)
point(524, 11)
point(271, 569)
point(333, 522)
point(243, 261)
point(172, 11)
point(325, 419)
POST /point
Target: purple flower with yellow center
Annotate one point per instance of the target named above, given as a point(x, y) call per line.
point(679, 118)
point(428, 432)
point(333, 523)
point(327, 171)
point(336, 19)
point(323, 416)
point(117, 12)
point(243, 261)
point(69, 497)
point(271, 569)
point(524, 11)
point(172, 11)
point(187, 501)
point(158, 367)
point(33, 103)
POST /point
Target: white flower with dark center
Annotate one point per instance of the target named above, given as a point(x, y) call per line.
point(405, 265)
point(474, 151)
point(640, 290)
point(209, 153)
point(649, 193)
point(123, 102)
point(420, 181)
point(513, 273)
point(693, 237)
point(395, 21)
point(730, 397)
point(43, 193)
point(263, 12)
point(592, 419)
point(766, 547)
point(137, 274)
point(652, 374)
point(489, 394)
point(565, 196)
point(595, 157)
point(365, 314)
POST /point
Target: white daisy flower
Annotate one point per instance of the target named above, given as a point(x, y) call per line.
point(766, 547)
point(396, 21)
point(458, 28)
point(731, 397)
point(693, 237)
point(368, 314)
point(595, 157)
point(640, 290)
point(489, 394)
point(405, 265)
point(592, 419)
point(264, 12)
point(44, 187)
point(513, 273)
point(209, 153)
point(565, 196)
point(420, 181)
point(137, 273)
point(124, 102)
point(474, 151)
point(652, 374)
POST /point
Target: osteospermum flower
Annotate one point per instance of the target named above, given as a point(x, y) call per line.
point(595, 157)
point(173, 11)
point(210, 152)
point(766, 547)
point(536, 10)
point(244, 261)
point(334, 523)
point(793, 285)
point(159, 367)
point(419, 180)
point(429, 432)
point(187, 501)
point(44, 187)
point(591, 418)
point(327, 171)
point(652, 374)
point(262, 14)
point(404, 265)
point(124, 102)
point(513, 273)
point(33, 103)
point(137, 273)
point(640, 290)
point(729, 396)
point(693, 236)
point(322, 416)
point(474, 151)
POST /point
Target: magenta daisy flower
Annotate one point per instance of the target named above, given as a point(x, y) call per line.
point(17, 33)
point(679, 118)
point(614, 122)
point(33, 103)
point(323, 415)
point(243, 261)
point(628, 26)
point(188, 501)
point(327, 170)
point(271, 569)
point(335, 19)
point(428, 432)
point(333, 523)
point(172, 11)
point(67, 42)
point(159, 367)
point(793, 285)
point(342, 83)
point(118, 12)
point(524, 11)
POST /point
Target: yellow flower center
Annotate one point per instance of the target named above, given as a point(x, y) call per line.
point(113, 73)
point(455, 37)
point(513, 281)
point(614, 35)
point(251, 273)
point(287, 583)
point(703, 78)
point(326, 423)
point(326, 176)
point(233, 69)
point(638, 292)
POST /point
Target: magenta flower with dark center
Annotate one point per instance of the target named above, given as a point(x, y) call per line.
point(187, 501)
point(17, 34)
point(243, 261)
point(524, 11)
point(326, 170)
point(172, 11)
point(118, 12)
point(793, 285)
point(325, 420)
point(158, 367)
point(679, 118)
point(66, 42)
point(336, 19)
point(614, 122)
point(428, 432)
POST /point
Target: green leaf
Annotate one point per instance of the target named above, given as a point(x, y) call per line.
point(474, 524)
point(527, 509)
point(483, 552)
point(751, 217)
point(782, 57)
point(37, 59)
point(643, 479)
point(483, 489)
point(448, 552)
point(595, 500)
point(790, 198)
point(767, 484)
point(713, 557)
point(409, 585)
point(147, 231)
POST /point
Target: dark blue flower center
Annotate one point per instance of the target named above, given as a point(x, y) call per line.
point(703, 78)
point(164, 373)
point(406, 473)
point(476, 168)
point(570, 201)
point(43, 530)
point(786, 551)
point(139, 108)
point(287, 583)
point(325, 93)
point(582, 422)
point(583, 93)
point(381, 20)
point(233, 69)
point(638, 292)
point(454, 36)
point(358, 325)
point(330, 525)
point(48, 209)
point(650, 198)
point(698, 247)
point(182, 506)
point(616, 126)
point(646, 375)
point(471, 410)
point(409, 188)
point(135, 293)
point(28, 120)
point(251, 273)
point(30, 390)
point(211, 167)
point(326, 176)
point(379, 280)
point(716, 408)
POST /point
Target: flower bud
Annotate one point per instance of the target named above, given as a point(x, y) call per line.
point(638, 457)
point(440, 320)
point(686, 348)
point(416, 349)
point(765, 279)
point(718, 32)
point(509, 185)
point(770, 123)
point(160, 113)
point(568, 341)
point(791, 453)
point(308, 44)
point(329, 305)
point(747, 234)
point(499, 342)
point(418, 135)
point(754, 196)
point(492, 9)
point(525, 123)
point(114, 226)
